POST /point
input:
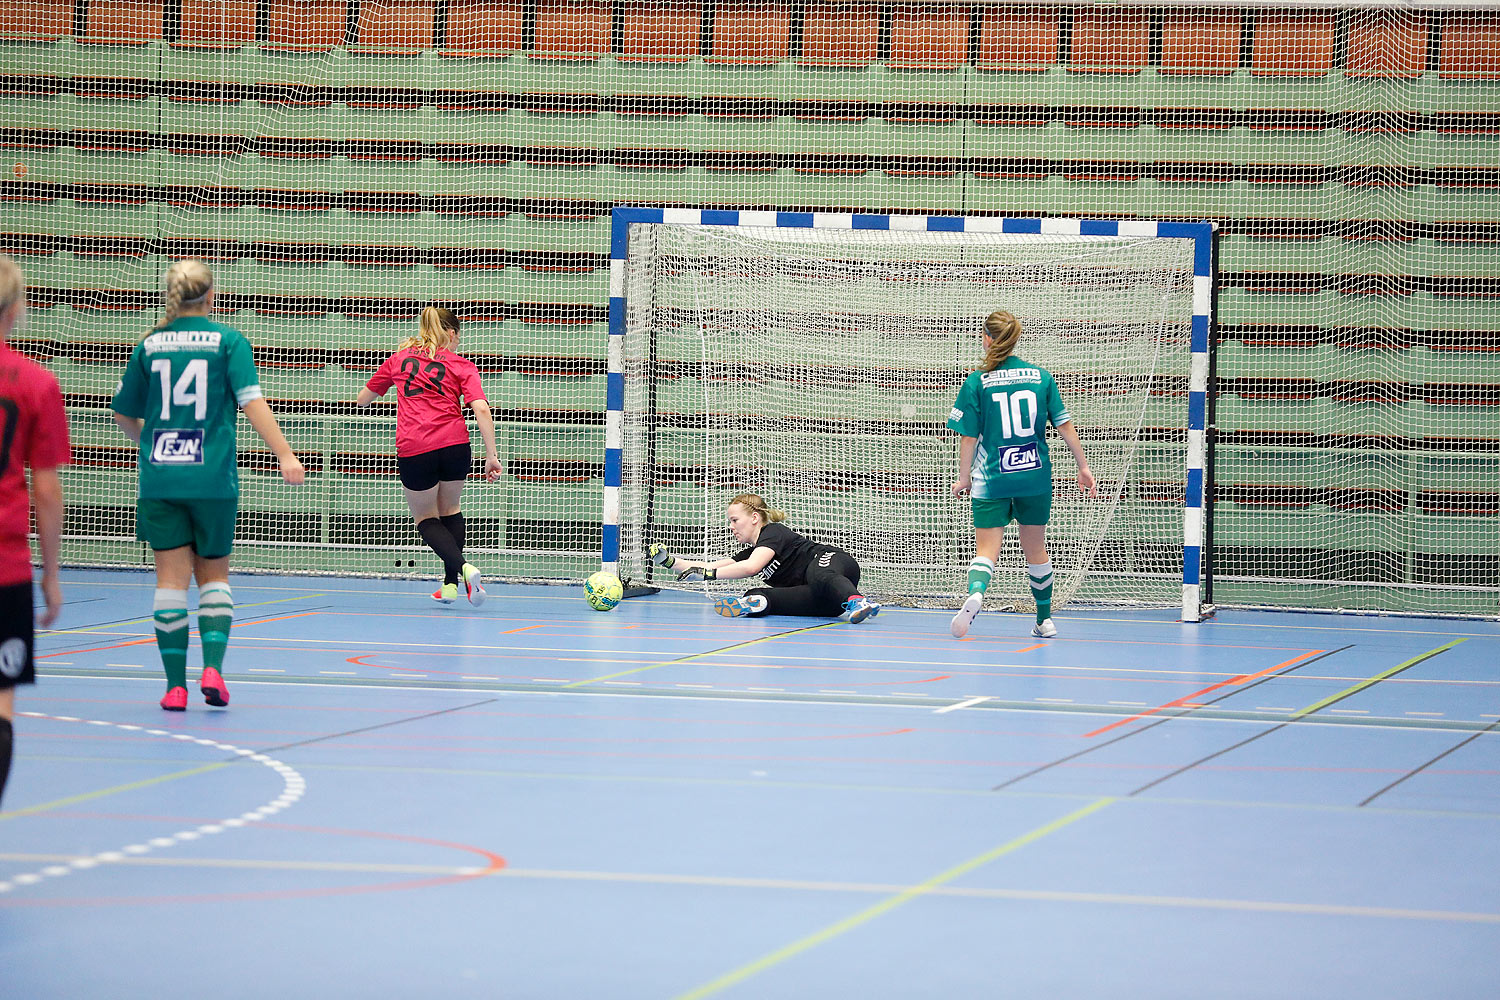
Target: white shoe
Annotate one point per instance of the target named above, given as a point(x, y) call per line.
point(473, 583)
point(857, 609)
point(966, 615)
point(1045, 630)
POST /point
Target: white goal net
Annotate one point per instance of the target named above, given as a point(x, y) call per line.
point(817, 368)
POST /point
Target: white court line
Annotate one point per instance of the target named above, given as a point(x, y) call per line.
point(293, 785)
point(138, 666)
point(1217, 622)
point(338, 673)
point(648, 657)
point(961, 704)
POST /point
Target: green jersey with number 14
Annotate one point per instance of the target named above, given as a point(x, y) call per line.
point(187, 381)
point(1007, 410)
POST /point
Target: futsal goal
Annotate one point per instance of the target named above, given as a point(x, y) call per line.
point(814, 358)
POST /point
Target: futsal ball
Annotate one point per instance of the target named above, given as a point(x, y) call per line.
point(603, 590)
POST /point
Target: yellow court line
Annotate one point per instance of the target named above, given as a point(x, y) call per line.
point(142, 621)
point(101, 793)
point(886, 905)
point(694, 656)
point(1367, 682)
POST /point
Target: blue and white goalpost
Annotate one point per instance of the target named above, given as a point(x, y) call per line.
point(813, 358)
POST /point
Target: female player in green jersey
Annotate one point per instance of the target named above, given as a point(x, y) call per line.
point(179, 398)
point(1001, 417)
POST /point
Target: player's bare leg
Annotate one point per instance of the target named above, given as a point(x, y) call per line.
point(450, 513)
point(423, 505)
point(7, 713)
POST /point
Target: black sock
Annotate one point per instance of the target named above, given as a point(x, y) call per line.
point(6, 737)
point(455, 525)
point(440, 540)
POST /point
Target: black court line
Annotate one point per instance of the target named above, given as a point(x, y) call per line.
point(1166, 719)
point(378, 725)
point(1418, 770)
point(1303, 713)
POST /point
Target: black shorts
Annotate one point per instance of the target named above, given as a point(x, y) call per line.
point(16, 632)
point(443, 465)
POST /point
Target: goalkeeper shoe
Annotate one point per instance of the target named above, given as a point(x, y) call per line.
point(215, 691)
point(1044, 629)
point(966, 615)
point(175, 700)
point(473, 583)
point(446, 594)
point(857, 609)
point(734, 607)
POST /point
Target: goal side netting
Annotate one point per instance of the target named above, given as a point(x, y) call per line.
point(817, 367)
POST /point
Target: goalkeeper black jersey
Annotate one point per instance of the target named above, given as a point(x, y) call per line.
point(794, 553)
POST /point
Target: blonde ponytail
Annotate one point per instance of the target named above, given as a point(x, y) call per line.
point(186, 283)
point(438, 328)
point(1004, 330)
point(755, 504)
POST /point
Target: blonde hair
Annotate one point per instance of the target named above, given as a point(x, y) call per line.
point(187, 282)
point(1004, 330)
point(755, 504)
point(436, 332)
point(12, 283)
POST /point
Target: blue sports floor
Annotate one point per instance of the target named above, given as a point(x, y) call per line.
point(533, 800)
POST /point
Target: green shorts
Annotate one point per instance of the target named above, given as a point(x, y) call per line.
point(206, 525)
point(997, 512)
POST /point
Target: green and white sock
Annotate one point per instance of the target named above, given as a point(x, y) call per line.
point(169, 613)
point(215, 616)
point(980, 572)
point(1041, 588)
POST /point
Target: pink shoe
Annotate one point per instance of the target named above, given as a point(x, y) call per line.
point(215, 691)
point(175, 700)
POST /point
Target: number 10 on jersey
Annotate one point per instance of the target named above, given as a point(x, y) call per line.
point(1017, 412)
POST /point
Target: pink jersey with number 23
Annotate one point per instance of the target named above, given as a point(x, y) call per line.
point(430, 396)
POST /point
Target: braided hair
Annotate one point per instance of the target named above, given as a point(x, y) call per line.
point(755, 504)
point(187, 282)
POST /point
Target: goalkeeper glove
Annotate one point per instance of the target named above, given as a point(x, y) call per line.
point(695, 573)
point(659, 555)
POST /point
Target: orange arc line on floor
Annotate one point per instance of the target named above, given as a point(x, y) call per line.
point(1186, 700)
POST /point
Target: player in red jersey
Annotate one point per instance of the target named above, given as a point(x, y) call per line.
point(432, 439)
point(33, 432)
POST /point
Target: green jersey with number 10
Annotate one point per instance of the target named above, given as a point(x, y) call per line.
point(1007, 410)
point(187, 381)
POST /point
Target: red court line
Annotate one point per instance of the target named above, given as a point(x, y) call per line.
point(494, 863)
point(1186, 699)
point(142, 642)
